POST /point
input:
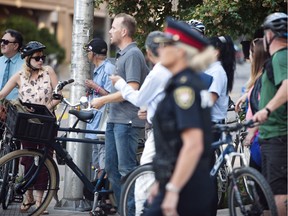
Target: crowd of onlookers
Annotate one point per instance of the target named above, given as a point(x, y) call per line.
point(177, 101)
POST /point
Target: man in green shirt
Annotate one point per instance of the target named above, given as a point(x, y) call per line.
point(273, 109)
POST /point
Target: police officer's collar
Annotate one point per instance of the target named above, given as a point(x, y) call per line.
point(179, 78)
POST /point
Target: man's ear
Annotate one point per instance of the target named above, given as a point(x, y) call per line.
point(16, 46)
point(148, 53)
point(269, 35)
point(123, 32)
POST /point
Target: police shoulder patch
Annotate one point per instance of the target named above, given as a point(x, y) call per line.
point(184, 97)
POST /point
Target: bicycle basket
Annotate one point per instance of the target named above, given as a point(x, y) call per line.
point(37, 126)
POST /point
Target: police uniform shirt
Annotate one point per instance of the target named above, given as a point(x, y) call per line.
point(186, 105)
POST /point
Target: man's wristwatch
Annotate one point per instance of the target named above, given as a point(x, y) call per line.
point(172, 188)
point(268, 111)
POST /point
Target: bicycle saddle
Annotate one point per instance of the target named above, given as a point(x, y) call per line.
point(82, 115)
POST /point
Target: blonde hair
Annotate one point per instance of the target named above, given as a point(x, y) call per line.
point(198, 60)
point(28, 71)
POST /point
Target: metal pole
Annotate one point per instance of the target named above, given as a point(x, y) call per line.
point(80, 69)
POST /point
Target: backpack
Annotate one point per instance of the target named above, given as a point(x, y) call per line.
point(254, 97)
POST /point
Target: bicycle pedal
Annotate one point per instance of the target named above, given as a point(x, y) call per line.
point(18, 198)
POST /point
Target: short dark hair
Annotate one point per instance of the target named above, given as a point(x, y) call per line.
point(129, 22)
point(150, 44)
point(17, 35)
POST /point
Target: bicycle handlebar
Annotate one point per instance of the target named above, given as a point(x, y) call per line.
point(238, 126)
point(61, 85)
point(83, 102)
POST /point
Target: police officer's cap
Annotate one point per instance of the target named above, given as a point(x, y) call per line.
point(177, 31)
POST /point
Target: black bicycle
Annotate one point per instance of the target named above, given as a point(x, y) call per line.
point(7, 145)
point(248, 191)
point(41, 127)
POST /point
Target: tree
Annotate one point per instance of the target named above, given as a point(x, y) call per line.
point(30, 32)
point(235, 17)
point(221, 17)
point(150, 15)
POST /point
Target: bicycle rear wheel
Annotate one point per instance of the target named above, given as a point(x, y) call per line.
point(19, 178)
point(251, 195)
point(140, 181)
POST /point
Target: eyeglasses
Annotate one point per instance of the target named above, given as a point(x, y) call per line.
point(6, 42)
point(255, 40)
point(37, 58)
point(86, 49)
point(253, 43)
point(165, 44)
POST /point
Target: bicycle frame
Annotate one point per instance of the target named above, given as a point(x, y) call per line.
point(30, 177)
point(227, 155)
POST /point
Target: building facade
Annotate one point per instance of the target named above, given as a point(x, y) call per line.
point(57, 16)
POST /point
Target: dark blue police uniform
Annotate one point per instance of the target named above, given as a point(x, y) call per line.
point(186, 105)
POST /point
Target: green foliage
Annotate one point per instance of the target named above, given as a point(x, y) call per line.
point(221, 17)
point(150, 15)
point(235, 17)
point(31, 33)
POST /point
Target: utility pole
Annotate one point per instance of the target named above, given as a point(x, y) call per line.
point(80, 70)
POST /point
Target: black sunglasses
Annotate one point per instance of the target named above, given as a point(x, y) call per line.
point(37, 58)
point(6, 42)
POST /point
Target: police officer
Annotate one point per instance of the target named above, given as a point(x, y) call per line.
point(182, 128)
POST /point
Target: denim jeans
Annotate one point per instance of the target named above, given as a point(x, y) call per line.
point(121, 143)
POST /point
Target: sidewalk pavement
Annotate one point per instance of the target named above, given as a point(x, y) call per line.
point(57, 212)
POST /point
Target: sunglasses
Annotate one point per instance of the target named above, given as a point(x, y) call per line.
point(37, 58)
point(253, 43)
point(86, 48)
point(6, 42)
point(165, 44)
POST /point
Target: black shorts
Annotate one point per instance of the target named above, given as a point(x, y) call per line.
point(274, 163)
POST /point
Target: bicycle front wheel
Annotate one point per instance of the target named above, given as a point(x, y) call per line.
point(5, 149)
point(135, 190)
point(250, 194)
point(45, 182)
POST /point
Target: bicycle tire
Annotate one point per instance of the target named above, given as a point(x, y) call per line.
point(129, 185)
point(5, 149)
point(14, 208)
point(253, 200)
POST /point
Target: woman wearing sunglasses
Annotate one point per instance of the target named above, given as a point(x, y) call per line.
point(182, 128)
point(35, 83)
